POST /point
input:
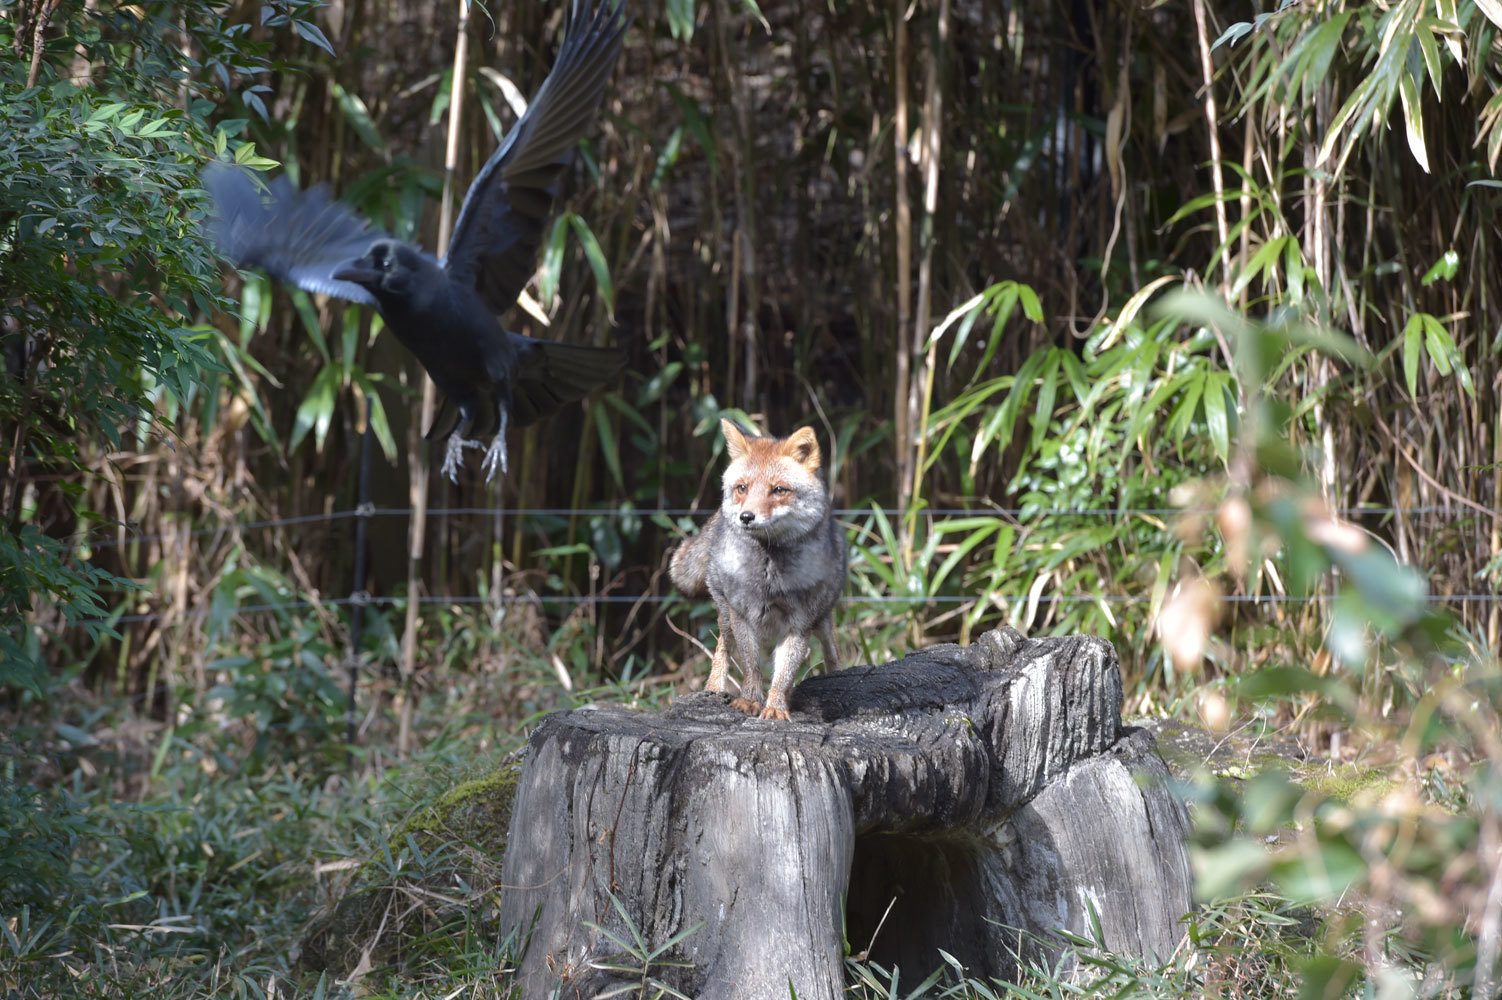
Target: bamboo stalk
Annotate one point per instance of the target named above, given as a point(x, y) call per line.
point(417, 461)
point(904, 217)
point(933, 115)
point(744, 237)
point(1212, 123)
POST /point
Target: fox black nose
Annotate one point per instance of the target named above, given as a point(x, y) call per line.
point(747, 516)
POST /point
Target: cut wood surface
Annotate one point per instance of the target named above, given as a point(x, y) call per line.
point(973, 799)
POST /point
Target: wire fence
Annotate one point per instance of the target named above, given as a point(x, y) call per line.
point(366, 511)
point(510, 600)
point(359, 600)
point(525, 513)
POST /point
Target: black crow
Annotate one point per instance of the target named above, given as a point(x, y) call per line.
point(445, 311)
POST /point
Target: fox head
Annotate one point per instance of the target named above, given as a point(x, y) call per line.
point(772, 486)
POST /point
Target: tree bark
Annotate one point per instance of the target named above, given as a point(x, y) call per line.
point(974, 799)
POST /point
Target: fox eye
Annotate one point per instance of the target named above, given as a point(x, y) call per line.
point(780, 490)
point(740, 488)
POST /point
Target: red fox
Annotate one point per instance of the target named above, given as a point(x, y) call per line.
point(774, 561)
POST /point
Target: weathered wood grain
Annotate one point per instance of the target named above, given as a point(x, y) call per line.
point(973, 799)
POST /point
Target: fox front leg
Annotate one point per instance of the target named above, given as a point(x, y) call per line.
point(748, 648)
point(786, 660)
point(720, 669)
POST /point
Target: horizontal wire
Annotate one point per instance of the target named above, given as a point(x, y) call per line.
point(515, 600)
point(844, 512)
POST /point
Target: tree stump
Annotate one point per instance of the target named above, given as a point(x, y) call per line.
point(973, 799)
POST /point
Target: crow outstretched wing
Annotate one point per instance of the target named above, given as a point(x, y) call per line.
point(546, 376)
point(500, 227)
point(300, 237)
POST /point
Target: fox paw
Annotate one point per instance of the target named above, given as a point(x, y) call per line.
point(746, 705)
point(775, 714)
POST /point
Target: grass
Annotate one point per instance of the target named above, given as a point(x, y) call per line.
point(198, 867)
point(183, 875)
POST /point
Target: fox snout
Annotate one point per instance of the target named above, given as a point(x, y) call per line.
point(748, 517)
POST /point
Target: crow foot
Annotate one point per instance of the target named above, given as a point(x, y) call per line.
point(495, 457)
point(453, 457)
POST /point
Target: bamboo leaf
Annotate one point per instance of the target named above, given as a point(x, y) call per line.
point(1493, 11)
point(305, 312)
point(1355, 103)
point(607, 443)
point(1216, 390)
point(1411, 352)
point(681, 19)
point(552, 259)
point(1048, 389)
point(1203, 202)
point(960, 551)
point(694, 119)
point(1429, 48)
point(596, 258)
point(317, 409)
point(1437, 341)
point(1128, 314)
point(668, 158)
point(359, 118)
point(1031, 307)
point(1413, 118)
point(967, 311)
point(1261, 261)
point(1183, 414)
point(1293, 269)
point(755, 11)
point(1232, 35)
point(378, 421)
point(1446, 267)
point(1079, 384)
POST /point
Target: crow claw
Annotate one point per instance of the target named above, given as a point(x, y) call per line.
point(495, 457)
point(454, 456)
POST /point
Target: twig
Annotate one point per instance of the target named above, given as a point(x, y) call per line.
point(37, 42)
point(1212, 121)
point(1465, 501)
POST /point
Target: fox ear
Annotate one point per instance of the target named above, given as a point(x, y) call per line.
point(802, 447)
point(735, 438)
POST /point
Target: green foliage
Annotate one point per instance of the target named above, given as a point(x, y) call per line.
point(103, 270)
point(75, 198)
point(638, 957)
point(745, 224)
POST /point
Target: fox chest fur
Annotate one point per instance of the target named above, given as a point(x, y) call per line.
point(778, 585)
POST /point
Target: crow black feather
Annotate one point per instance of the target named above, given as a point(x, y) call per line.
point(445, 311)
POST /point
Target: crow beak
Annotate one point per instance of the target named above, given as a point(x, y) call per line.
point(358, 272)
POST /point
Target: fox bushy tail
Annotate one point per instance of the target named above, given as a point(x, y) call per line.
point(689, 568)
